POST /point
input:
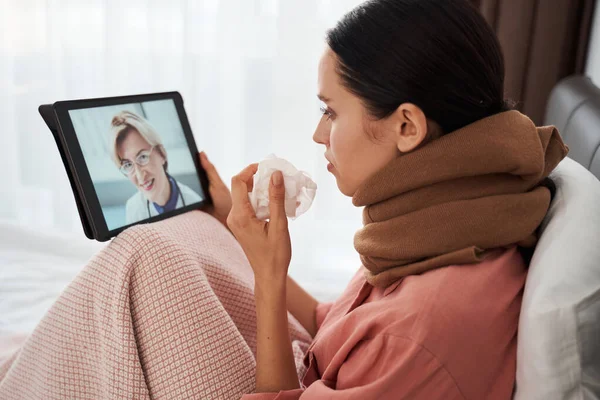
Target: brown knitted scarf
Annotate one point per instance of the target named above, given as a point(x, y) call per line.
point(472, 190)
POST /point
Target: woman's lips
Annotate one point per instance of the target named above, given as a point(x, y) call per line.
point(148, 185)
point(329, 165)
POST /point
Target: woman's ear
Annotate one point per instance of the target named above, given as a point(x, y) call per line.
point(165, 161)
point(411, 127)
point(162, 155)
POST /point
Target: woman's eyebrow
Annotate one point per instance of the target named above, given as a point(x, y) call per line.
point(138, 153)
point(323, 98)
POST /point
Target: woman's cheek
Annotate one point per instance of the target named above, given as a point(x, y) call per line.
point(336, 143)
point(158, 166)
point(152, 169)
point(342, 147)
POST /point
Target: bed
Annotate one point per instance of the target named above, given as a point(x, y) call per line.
point(34, 268)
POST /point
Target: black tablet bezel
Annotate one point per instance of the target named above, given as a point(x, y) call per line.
point(49, 116)
point(81, 173)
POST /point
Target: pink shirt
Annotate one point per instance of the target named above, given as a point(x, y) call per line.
point(450, 333)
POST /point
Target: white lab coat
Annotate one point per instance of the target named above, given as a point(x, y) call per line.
point(136, 207)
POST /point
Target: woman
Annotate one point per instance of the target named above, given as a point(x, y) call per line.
point(140, 155)
point(416, 130)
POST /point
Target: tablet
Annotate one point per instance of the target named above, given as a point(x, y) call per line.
point(129, 159)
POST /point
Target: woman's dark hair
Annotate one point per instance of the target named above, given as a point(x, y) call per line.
point(440, 55)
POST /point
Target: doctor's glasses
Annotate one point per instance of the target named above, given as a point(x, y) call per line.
point(143, 158)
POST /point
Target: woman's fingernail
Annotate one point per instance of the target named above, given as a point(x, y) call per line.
point(277, 178)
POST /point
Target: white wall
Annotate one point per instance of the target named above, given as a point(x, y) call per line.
point(592, 68)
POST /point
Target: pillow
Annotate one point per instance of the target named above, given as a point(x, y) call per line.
point(558, 350)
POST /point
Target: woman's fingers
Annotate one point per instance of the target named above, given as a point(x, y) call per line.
point(242, 218)
point(240, 184)
point(277, 202)
point(211, 171)
point(213, 176)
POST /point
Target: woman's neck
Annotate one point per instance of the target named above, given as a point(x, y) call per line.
point(164, 197)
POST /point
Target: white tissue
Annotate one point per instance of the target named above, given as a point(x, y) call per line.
point(300, 189)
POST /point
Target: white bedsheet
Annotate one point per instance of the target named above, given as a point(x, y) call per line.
point(34, 268)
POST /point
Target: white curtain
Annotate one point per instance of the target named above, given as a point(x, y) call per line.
point(247, 70)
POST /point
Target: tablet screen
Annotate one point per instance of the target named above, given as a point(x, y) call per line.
point(138, 160)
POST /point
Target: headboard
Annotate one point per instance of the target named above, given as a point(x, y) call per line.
point(574, 108)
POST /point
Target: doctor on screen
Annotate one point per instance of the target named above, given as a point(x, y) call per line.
point(140, 155)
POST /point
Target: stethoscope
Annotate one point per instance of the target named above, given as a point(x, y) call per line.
point(180, 196)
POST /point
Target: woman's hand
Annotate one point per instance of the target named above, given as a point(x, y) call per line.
point(268, 248)
point(266, 243)
point(219, 192)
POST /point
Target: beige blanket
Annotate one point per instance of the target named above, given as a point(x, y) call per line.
point(165, 311)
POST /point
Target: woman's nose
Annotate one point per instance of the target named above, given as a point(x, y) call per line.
point(321, 134)
point(139, 173)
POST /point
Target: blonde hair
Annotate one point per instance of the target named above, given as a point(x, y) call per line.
point(125, 122)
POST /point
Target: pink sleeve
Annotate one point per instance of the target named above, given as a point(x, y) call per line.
point(384, 367)
point(321, 312)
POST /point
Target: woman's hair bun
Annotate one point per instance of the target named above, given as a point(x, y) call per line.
point(118, 120)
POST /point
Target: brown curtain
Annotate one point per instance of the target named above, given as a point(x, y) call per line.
point(543, 41)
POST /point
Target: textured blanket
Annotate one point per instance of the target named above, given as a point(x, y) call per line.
point(165, 311)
